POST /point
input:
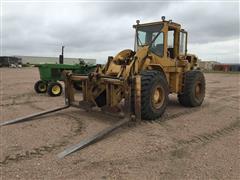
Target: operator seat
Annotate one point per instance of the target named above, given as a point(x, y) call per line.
point(159, 49)
point(171, 53)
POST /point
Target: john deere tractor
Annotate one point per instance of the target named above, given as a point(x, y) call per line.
point(51, 74)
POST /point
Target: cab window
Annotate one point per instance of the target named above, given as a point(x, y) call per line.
point(170, 48)
point(182, 44)
point(157, 46)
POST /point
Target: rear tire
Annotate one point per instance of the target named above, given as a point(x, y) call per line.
point(40, 86)
point(54, 89)
point(193, 90)
point(154, 94)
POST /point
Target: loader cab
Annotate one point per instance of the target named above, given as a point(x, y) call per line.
point(150, 35)
point(165, 38)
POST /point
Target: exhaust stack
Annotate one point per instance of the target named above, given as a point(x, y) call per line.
point(61, 57)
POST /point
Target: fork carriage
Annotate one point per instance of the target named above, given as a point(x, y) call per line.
point(107, 100)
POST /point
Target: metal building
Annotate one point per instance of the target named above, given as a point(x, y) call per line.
point(7, 61)
point(53, 60)
point(207, 65)
point(227, 67)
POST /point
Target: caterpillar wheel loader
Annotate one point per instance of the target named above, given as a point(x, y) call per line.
point(135, 84)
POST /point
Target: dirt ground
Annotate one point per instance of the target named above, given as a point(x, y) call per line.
point(186, 143)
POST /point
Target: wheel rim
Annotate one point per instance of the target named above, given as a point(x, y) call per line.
point(56, 89)
point(158, 97)
point(42, 87)
point(198, 90)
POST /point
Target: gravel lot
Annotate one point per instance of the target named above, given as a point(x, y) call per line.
point(186, 143)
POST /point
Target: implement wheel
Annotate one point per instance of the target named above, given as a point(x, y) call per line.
point(193, 90)
point(154, 94)
point(40, 86)
point(54, 89)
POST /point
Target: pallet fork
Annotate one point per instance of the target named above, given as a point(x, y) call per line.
point(70, 102)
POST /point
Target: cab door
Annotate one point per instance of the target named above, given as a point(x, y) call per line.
point(183, 43)
point(171, 44)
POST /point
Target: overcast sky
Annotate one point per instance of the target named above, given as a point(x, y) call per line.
point(99, 29)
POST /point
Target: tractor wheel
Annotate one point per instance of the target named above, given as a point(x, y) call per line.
point(193, 90)
point(77, 86)
point(54, 89)
point(40, 86)
point(154, 94)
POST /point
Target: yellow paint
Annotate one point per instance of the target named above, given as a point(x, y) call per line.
point(56, 89)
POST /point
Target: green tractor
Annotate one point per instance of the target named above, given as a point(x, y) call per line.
point(51, 75)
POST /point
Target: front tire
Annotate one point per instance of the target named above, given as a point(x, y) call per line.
point(40, 86)
point(193, 90)
point(154, 94)
point(54, 89)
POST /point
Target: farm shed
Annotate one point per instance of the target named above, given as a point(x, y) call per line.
point(6, 61)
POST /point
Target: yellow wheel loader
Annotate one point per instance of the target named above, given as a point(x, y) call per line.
point(158, 65)
point(135, 84)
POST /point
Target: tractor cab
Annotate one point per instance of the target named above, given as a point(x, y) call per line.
point(165, 39)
